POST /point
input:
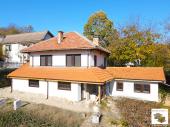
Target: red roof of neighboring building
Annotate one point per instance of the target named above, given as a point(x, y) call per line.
point(71, 40)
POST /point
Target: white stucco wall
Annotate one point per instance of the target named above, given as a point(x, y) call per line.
point(73, 95)
point(128, 91)
point(23, 85)
point(100, 58)
point(59, 58)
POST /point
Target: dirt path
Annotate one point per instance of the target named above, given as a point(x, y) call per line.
point(111, 112)
point(82, 106)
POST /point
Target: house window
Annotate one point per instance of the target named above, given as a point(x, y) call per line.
point(8, 47)
point(105, 62)
point(142, 88)
point(73, 60)
point(64, 85)
point(33, 83)
point(119, 86)
point(46, 60)
point(95, 60)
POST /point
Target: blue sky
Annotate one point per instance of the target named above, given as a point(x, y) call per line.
point(71, 15)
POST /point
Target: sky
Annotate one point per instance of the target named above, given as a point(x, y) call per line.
point(71, 15)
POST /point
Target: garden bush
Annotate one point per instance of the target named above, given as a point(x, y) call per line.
point(136, 113)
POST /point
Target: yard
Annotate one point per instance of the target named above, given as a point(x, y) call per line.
point(136, 113)
point(36, 115)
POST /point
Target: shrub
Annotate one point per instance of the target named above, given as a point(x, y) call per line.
point(134, 112)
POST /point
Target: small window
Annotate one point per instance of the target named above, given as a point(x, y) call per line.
point(33, 83)
point(119, 86)
point(142, 88)
point(95, 60)
point(73, 60)
point(8, 47)
point(45, 60)
point(64, 85)
point(146, 88)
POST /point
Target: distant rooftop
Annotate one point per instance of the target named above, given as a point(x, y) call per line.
point(26, 37)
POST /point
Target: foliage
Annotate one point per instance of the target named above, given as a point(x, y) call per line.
point(4, 81)
point(1, 53)
point(135, 113)
point(34, 115)
point(163, 91)
point(99, 25)
point(134, 45)
point(13, 29)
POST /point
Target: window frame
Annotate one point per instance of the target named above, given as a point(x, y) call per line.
point(65, 87)
point(142, 88)
point(8, 47)
point(118, 85)
point(46, 60)
point(105, 61)
point(73, 62)
point(33, 85)
point(95, 60)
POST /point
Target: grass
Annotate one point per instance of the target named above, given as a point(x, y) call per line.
point(38, 115)
point(4, 82)
point(137, 113)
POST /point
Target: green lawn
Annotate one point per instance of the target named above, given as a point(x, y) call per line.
point(38, 115)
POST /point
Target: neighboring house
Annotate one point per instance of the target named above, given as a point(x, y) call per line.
point(13, 44)
point(72, 67)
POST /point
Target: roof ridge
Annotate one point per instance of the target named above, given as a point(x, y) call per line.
point(46, 31)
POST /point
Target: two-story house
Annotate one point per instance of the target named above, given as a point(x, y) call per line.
point(13, 44)
point(72, 67)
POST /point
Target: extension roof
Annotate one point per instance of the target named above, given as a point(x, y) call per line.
point(91, 75)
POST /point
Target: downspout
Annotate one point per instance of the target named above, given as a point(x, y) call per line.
point(11, 85)
point(88, 60)
point(88, 65)
point(47, 89)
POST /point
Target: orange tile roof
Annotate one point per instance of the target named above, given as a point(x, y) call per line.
point(137, 73)
point(71, 40)
point(89, 75)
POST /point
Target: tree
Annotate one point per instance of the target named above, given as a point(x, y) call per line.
point(134, 45)
point(13, 29)
point(99, 25)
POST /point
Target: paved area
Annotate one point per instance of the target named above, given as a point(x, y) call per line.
point(82, 106)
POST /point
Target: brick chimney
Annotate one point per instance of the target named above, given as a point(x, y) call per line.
point(96, 40)
point(60, 36)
